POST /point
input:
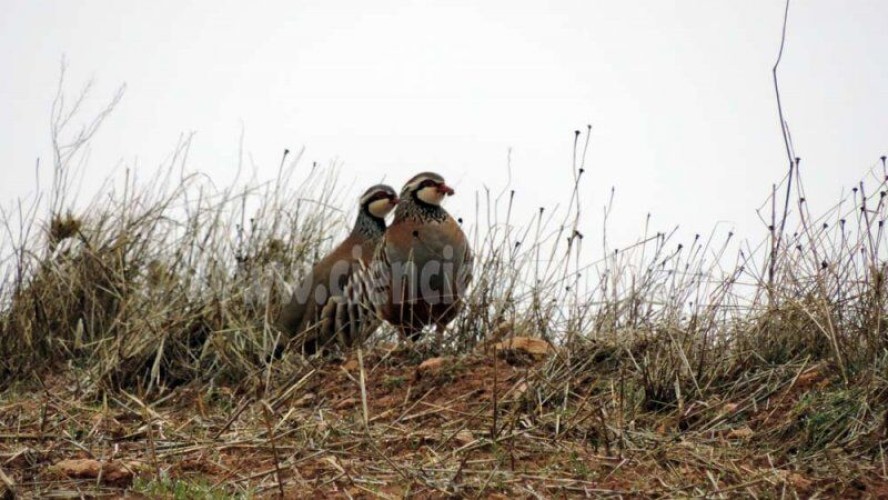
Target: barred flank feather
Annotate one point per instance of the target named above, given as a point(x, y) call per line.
point(327, 314)
point(352, 317)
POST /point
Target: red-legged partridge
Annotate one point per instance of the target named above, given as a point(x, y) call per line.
point(301, 317)
point(420, 270)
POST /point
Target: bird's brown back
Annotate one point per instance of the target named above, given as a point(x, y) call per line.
point(327, 279)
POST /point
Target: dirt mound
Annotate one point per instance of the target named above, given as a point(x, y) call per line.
point(394, 422)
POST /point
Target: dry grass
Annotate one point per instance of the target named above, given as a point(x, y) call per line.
point(136, 330)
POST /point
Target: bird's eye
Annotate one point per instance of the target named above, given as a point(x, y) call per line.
point(427, 183)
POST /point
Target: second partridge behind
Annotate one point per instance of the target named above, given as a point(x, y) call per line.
point(302, 317)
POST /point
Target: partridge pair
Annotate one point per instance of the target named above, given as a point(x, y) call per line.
point(420, 268)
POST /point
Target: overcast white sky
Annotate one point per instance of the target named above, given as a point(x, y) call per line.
point(679, 94)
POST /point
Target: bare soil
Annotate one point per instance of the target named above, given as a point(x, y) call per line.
point(476, 426)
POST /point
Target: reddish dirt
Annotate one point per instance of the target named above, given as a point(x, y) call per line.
point(459, 426)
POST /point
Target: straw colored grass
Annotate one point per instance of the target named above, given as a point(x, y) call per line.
point(137, 330)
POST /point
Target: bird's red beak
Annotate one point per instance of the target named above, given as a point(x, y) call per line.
point(394, 200)
point(445, 189)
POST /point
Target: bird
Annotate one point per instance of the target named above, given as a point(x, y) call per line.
point(419, 273)
point(300, 318)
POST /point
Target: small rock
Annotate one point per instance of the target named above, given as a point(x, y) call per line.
point(537, 348)
point(729, 408)
point(464, 437)
point(114, 473)
point(797, 480)
point(432, 364)
point(741, 433)
point(346, 403)
point(809, 378)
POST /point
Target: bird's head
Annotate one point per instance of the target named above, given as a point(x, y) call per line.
point(379, 200)
point(428, 188)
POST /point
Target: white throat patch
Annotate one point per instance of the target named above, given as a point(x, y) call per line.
point(380, 208)
point(430, 195)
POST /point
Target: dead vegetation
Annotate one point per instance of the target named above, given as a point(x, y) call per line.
point(136, 351)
